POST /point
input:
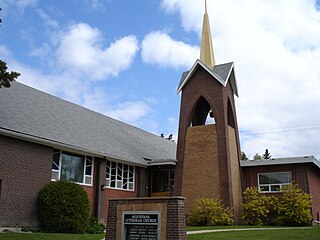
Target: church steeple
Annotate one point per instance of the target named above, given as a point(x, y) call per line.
point(206, 52)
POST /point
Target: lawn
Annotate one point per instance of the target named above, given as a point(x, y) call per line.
point(278, 234)
point(49, 236)
point(272, 234)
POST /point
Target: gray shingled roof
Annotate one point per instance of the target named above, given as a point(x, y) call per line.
point(280, 161)
point(222, 73)
point(32, 114)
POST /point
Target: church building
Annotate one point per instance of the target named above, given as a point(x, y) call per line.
point(44, 138)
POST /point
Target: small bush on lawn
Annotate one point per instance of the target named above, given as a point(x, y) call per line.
point(293, 207)
point(63, 207)
point(94, 226)
point(209, 211)
point(256, 206)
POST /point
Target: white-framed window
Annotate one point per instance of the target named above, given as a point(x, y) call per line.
point(273, 182)
point(120, 176)
point(73, 167)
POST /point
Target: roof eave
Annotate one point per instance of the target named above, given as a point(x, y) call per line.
point(65, 146)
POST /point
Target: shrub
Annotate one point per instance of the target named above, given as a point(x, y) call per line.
point(208, 211)
point(63, 207)
point(94, 226)
point(256, 206)
point(293, 207)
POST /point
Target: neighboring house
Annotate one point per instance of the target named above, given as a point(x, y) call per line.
point(44, 138)
point(269, 175)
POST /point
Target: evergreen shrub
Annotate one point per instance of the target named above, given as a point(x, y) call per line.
point(63, 207)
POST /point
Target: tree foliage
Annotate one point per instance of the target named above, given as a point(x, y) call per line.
point(209, 211)
point(266, 154)
point(244, 156)
point(257, 157)
point(63, 207)
point(256, 206)
point(6, 77)
point(293, 207)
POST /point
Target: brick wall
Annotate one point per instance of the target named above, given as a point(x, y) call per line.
point(235, 173)
point(90, 192)
point(172, 216)
point(221, 100)
point(250, 174)
point(115, 193)
point(201, 177)
point(24, 169)
point(314, 189)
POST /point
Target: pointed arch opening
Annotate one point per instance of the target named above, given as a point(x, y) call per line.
point(203, 114)
point(231, 119)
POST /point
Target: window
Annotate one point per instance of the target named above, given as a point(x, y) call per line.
point(73, 167)
point(273, 182)
point(119, 176)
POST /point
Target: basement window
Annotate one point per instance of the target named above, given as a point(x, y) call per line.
point(273, 182)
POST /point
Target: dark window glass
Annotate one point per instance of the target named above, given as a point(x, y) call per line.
point(72, 167)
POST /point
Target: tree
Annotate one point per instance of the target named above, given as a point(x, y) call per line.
point(244, 156)
point(266, 154)
point(6, 77)
point(257, 157)
point(293, 207)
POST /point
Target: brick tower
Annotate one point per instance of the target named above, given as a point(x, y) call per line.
point(208, 151)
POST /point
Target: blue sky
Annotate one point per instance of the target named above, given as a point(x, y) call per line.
point(124, 59)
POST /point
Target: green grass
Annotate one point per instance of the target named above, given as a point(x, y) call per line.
point(279, 234)
point(226, 227)
point(49, 236)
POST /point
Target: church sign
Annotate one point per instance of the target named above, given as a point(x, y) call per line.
point(141, 225)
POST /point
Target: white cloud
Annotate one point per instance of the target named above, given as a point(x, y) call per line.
point(47, 19)
point(159, 48)
point(18, 5)
point(276, 49)
point(81, 51)
point(107, 103)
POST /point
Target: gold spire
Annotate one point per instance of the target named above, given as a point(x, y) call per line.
point(206, 52)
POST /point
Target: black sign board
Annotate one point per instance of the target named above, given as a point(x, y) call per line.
point(141, 225)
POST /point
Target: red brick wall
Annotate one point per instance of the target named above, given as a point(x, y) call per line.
point(24, 169)
point(314, 188)
point(90, 192)
point(250, 174)
point(116, 193)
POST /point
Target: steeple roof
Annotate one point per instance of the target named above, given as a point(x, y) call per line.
point(206, 52)
point(222, 73)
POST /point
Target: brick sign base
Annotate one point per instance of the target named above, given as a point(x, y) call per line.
point(170, 223)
